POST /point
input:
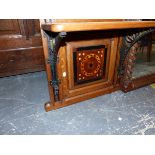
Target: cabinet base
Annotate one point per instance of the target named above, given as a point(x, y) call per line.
point(79, 98)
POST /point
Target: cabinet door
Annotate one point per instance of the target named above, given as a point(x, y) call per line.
point(20, 47)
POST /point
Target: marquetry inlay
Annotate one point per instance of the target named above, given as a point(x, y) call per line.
point(89, 63)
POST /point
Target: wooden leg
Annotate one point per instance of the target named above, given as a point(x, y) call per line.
point(48, 106)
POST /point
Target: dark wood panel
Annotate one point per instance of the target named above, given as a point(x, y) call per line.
point(21, 61)
point(9, 26)
point(15, 42)
point(20, 46)
point(37, 26)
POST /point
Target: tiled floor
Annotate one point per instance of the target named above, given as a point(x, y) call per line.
point(22, 100)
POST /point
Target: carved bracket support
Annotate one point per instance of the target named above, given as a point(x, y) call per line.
point(128, 56)
point(53, 48)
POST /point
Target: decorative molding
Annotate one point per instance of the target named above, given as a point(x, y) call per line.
point(128, 56)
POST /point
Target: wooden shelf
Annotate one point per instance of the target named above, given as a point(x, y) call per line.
point(91, 26)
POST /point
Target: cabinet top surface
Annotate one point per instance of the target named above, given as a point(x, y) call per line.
point(91, 26)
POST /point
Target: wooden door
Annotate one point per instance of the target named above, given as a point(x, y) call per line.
point(20, 47)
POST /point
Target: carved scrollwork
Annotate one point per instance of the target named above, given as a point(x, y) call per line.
point(128, 53)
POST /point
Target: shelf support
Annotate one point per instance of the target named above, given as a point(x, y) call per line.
point(53, 48)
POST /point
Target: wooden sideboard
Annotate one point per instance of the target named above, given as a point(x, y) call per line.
point(88, 58)
point(21, 48)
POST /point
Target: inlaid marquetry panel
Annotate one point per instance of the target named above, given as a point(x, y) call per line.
point(89, 63)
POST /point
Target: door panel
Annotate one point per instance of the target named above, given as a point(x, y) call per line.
point(20, 39)
point(9, 26)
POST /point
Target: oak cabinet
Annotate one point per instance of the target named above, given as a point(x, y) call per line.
point(88, 58)
point(84, 66)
